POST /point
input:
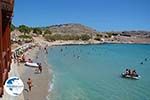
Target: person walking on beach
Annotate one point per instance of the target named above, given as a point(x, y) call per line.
point(29, 82)
point(13, 56)
point(40, 68)
point(18, 61)
point(45, 48)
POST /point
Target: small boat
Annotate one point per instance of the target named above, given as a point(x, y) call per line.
point(31, 64)
point(130, 77)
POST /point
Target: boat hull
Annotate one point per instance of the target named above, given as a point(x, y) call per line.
point(130, 77)
point(31, 64)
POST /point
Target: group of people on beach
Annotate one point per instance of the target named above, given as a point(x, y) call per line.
point(16, 58)
point(29, 81)
point(39, 68)
point(131, 72)
point(21, 58)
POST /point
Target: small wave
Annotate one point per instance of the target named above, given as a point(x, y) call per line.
point(51, 84)
point(50, 87)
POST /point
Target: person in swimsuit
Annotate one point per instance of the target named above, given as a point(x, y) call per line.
point(29, 82)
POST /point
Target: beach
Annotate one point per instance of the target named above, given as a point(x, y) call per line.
point(40, 40)
point(40, 81)
point(75, 53)
point(50, 52)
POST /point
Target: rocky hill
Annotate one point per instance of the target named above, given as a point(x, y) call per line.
point(72, 29)
point(76, 32)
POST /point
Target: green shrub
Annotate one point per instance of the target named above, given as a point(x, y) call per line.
point(25, 36)
point(37, 31)
point(109, 34)
point(66, 37)
point(24, 29)
point(47, 32)
point(97, 38)
point(12, 27)
point(85, 37)
point(99, 35)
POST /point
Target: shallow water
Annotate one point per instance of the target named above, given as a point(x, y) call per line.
point(92, 72)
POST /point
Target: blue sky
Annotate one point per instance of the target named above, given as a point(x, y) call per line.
point(102, 15)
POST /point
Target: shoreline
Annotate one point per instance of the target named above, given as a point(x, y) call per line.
point(41, 41)
point(40, 81)
point(61, 43)
point(43, 82)
point(97, 44)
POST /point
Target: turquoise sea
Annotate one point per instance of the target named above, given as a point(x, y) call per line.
point(93, 72)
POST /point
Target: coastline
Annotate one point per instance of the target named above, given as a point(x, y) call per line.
point(57, 43)
point(41, 41)
point(43, 82)
point(40, 80)
point(96, 44)
point(61, 82)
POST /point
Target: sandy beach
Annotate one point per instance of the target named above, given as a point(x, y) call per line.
point(40, 80)
point(88, 48)
point(41, 41)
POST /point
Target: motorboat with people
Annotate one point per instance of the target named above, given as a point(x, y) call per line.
point(130, 74)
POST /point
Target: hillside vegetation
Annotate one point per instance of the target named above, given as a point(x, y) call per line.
point(76, 32)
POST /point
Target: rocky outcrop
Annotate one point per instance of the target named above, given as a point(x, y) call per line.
point(71, 29)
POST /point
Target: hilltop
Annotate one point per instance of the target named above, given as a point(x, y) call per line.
point(71, 29)
point(77, 32)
